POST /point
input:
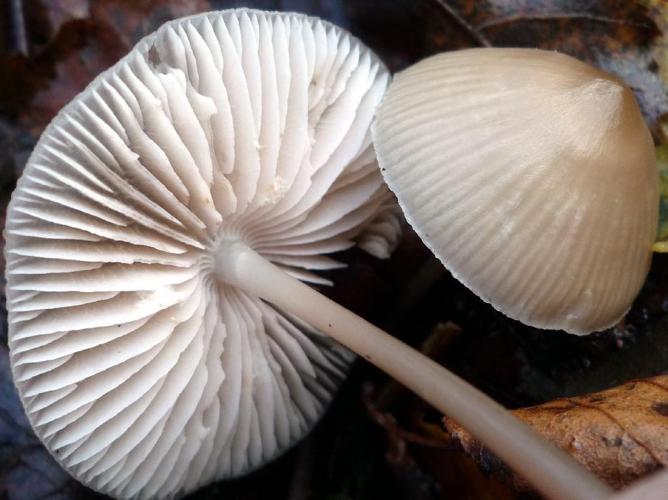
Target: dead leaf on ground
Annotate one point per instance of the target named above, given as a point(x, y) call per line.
point(72, 41)
point(620, 434)
point(619, 36)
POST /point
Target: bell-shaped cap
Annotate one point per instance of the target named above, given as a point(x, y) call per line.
point(530, 175)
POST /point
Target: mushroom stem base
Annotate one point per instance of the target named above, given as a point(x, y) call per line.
point(553, 472)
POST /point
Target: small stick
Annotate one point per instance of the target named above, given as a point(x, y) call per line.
point(18, 23)
point(463, 23)
point(557, 17)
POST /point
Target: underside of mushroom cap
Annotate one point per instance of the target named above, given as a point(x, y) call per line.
point(530, 175)
point(141, 374)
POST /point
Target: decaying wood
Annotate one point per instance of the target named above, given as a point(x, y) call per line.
point(620, 434)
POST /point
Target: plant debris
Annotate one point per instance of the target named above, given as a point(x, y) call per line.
point(620, 434)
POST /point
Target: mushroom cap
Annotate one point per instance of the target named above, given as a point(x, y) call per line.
point(142, 375)
point(530, 175)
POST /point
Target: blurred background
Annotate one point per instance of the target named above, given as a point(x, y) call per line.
point(377, 441)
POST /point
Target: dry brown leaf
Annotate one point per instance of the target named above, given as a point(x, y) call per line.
point(620, 434)
point(76, 40)
point(622, 37)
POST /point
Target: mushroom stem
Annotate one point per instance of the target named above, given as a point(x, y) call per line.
point(553, 472)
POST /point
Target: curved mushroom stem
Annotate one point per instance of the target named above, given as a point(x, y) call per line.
point(554, 473)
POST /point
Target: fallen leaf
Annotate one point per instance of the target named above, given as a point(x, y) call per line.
point(132, 20)
point(81, 50)
point(620, 434)
point(657, 11)
point(76, 41)
point(622, 37)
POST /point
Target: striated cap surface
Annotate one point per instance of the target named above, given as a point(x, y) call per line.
point(530, 175)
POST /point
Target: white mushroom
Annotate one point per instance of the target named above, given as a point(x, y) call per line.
point(141, 373)
point(530, 175)
point(157, 329)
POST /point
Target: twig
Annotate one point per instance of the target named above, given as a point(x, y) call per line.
point(434, 346)
point(18, 24)
point(388, 422)
point(464, 24)
point(499, 21)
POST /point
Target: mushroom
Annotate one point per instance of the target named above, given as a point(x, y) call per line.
point(141, 373)
point(530, 175)
point(161, 336)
